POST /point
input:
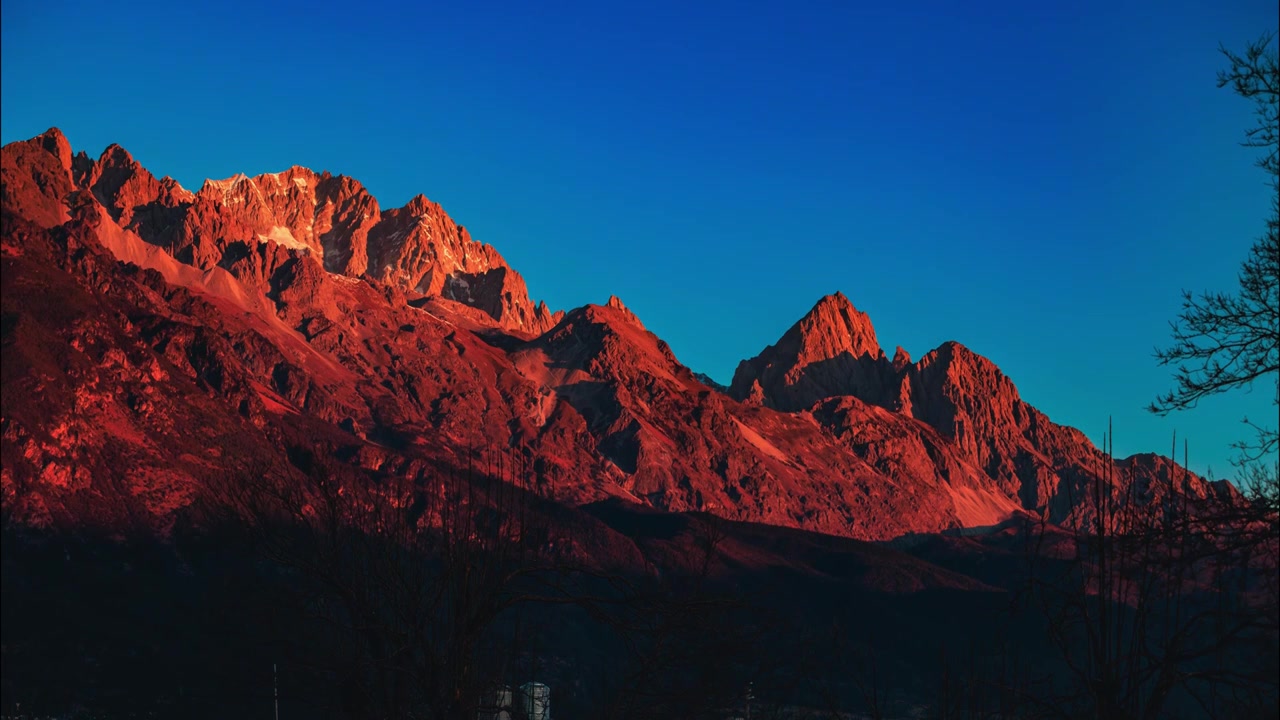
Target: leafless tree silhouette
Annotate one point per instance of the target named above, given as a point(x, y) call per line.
point(1160, 610)
point(1224, 341)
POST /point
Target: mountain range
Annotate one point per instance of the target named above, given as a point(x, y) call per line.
point(155, 338)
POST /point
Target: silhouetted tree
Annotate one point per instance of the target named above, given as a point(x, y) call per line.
point(1163, 610)
point(1224, 341)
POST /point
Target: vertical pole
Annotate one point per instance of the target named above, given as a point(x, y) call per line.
point(275, 682)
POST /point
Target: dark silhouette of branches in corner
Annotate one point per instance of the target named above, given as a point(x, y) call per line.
point(1229, 340)
point(1160, 611)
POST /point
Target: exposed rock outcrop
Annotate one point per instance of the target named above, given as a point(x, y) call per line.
point(831, 351)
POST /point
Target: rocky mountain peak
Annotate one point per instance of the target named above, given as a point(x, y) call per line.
point(37, 178)
point(420, 205)
point(831, 351)
point(614, 303)
point(117, 156)
point(57, 145)
point(956, 366)
point(833, 327)
point(237, 222)
point(901, 358)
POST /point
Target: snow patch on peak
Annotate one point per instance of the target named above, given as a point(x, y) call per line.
point(283, 236)
point(227, 184)
point(226, 187)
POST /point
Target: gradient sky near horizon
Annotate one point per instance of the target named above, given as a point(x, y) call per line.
point(1035, 180)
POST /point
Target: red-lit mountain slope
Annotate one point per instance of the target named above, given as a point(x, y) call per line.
point(155, 338)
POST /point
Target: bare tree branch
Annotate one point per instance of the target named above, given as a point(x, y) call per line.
point(1223, 341)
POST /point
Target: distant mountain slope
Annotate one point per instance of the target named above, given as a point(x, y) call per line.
point(830, 364)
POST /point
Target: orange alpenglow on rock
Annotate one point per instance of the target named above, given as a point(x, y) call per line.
point(332, 218)
point(157, 339)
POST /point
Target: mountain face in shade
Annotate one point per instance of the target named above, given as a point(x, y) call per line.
point(156, 340)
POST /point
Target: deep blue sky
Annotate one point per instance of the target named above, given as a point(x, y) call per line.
point(1036, 180)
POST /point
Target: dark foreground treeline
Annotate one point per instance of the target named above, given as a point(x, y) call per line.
point(380, 597)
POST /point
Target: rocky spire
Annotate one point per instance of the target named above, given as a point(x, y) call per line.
point(831, 351)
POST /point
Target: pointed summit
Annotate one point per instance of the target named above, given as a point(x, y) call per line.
point(57, 144)
point(420, 205)
point(831, 351)
point(123, 186)
point(833, 327)
point(115, 155)
point(901, 358)
point(37, 178)
point(614, 303)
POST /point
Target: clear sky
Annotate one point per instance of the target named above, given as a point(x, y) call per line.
point(1037, 180)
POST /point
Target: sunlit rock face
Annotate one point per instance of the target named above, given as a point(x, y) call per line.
point(333, 218)
point(831, 351)
point(157, 340)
